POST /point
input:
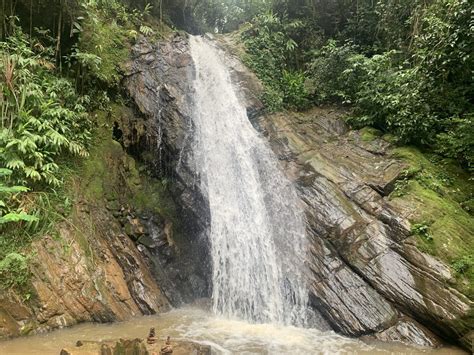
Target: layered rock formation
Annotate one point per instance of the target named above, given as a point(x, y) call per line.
point(368, 275)
point(91, 269)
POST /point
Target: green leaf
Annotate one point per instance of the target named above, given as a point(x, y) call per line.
point(13, 189)
point(5, 172)
point(17, 217)
point(15, 164)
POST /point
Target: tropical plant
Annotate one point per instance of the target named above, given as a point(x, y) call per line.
point(7, 213)
point(295, 94)
point(335, 72)
point(42, 116)
point(272, 54)
point(458, 141)
point(14, 270)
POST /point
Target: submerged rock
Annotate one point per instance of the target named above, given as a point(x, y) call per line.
point(409, 332)
point(134, 347)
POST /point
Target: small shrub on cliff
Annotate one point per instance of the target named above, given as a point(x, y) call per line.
point(458, 141)
point(464, 264)
point(14, 271)
point(13, 265)
point(295, 94)
point(8, 212)
point(422, 230)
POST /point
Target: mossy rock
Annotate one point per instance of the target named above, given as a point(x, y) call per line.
point(368, 134)
point(112, 178)
point(390, 138)
point(439, 191)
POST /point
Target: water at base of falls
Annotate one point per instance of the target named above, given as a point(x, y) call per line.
point(257, 229)
point(226, 336)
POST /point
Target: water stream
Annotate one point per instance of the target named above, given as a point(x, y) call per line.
point(257, 231)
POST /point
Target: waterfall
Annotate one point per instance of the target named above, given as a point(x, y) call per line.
point(257, 231)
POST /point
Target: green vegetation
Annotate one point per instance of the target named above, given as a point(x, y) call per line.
point(42, 116)
point(422, 230)
point(105, 37)
point(6, 213)
point(368, 134)
point(14, 270)
point(13, 266)
point(464, 264)
point(50, 83)
point(270, 49)
point(404, 67)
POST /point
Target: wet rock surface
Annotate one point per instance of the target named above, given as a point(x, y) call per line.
point(77, 277)
point(158, 80)
point(409, 332)
point(367, 273)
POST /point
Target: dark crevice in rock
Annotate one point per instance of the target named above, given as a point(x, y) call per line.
point(158, 83)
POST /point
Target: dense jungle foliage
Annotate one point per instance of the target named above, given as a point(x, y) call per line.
point(60, 62)
point(404, 67)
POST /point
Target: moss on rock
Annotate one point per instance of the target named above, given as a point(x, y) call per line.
point(112, 177)
point(368, 134)
point(438, 190)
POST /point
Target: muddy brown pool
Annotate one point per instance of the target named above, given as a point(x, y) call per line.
point(224, 335)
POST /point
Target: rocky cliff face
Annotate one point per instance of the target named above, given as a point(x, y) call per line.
point(89, 268)
point(158, 81)
point(369, 278)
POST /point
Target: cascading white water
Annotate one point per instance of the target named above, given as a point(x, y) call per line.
point(257, 232)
